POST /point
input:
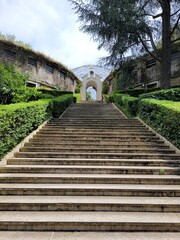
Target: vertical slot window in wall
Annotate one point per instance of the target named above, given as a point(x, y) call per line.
point(62, 74)
point(72, 81)
point(49, 68)
point(32, 62)
point(9, 53)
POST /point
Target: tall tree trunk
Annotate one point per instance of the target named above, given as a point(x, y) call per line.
point(166, 45)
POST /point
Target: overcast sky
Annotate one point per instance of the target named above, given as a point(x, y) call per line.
point(51, 27)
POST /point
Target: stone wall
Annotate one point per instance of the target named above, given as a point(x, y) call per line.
point(148, 73)
point(43, 71)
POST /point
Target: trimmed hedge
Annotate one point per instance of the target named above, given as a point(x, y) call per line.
point(163, 116)
point(18, 120)
point(172, 94)
point(78, 97)
point(27, 94)
point(109, 98)
point(53, 92)
point(135, 92)
point(59, 104)
point(128, 104)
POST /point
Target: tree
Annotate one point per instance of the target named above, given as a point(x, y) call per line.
point(130, 28)
point(89, 96)
point(125, 77)
point(10, 79)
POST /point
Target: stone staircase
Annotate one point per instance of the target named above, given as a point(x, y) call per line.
point(92, 174)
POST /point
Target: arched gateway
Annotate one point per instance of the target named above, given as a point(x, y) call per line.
point(91, 76)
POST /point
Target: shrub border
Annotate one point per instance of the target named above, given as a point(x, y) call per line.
point(10, 154)
point(160, 136)
point(138, 103)
point(45, 110)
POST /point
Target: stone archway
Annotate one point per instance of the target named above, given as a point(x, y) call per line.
point(91, 75)
point(91, 80)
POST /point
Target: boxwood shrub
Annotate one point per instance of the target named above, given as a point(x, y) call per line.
point(53, 92)
point(18, 120)
point(108, 98)
point(172, 94)
point(128, 104)
point(59, 104)
point(163, 116)
point(135, 92)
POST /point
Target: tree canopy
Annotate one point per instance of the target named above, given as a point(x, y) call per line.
point(130, 28)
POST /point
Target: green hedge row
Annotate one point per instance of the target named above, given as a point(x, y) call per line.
point(162, 115)
point(27, 94)
point(18, 120)
point(128, 104)
point(59, 104)
point(53, 92)
point(108, 98)
point(78, 97)
point(136, 92)
point(172, 94)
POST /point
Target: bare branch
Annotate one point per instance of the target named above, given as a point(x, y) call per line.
point(146, 14)
point(157, 16)
point(175, 40)
point(175, 26)
point(175, 12)
point(147, 49)
point(144, 5)
point(153, 45)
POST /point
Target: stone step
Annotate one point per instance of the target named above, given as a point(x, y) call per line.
point(73, 235)
point(96, 155)
point(106, 145)
point(86, 115)
point(91, 162)
point(89, 221)
point(94, 126)
point(95, 119)
point(89, 203)
point(135, 190)
point(102, 139)
point(97, 113)
point(99, 118)
point(100, 134)
point(98, 130)
point(96, 150)
point(90, 116)
point(88, 111)
point(89, 178)
point(104, 142)
point(78, 169)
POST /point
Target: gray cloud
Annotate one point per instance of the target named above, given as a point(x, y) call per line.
point(51, 27)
